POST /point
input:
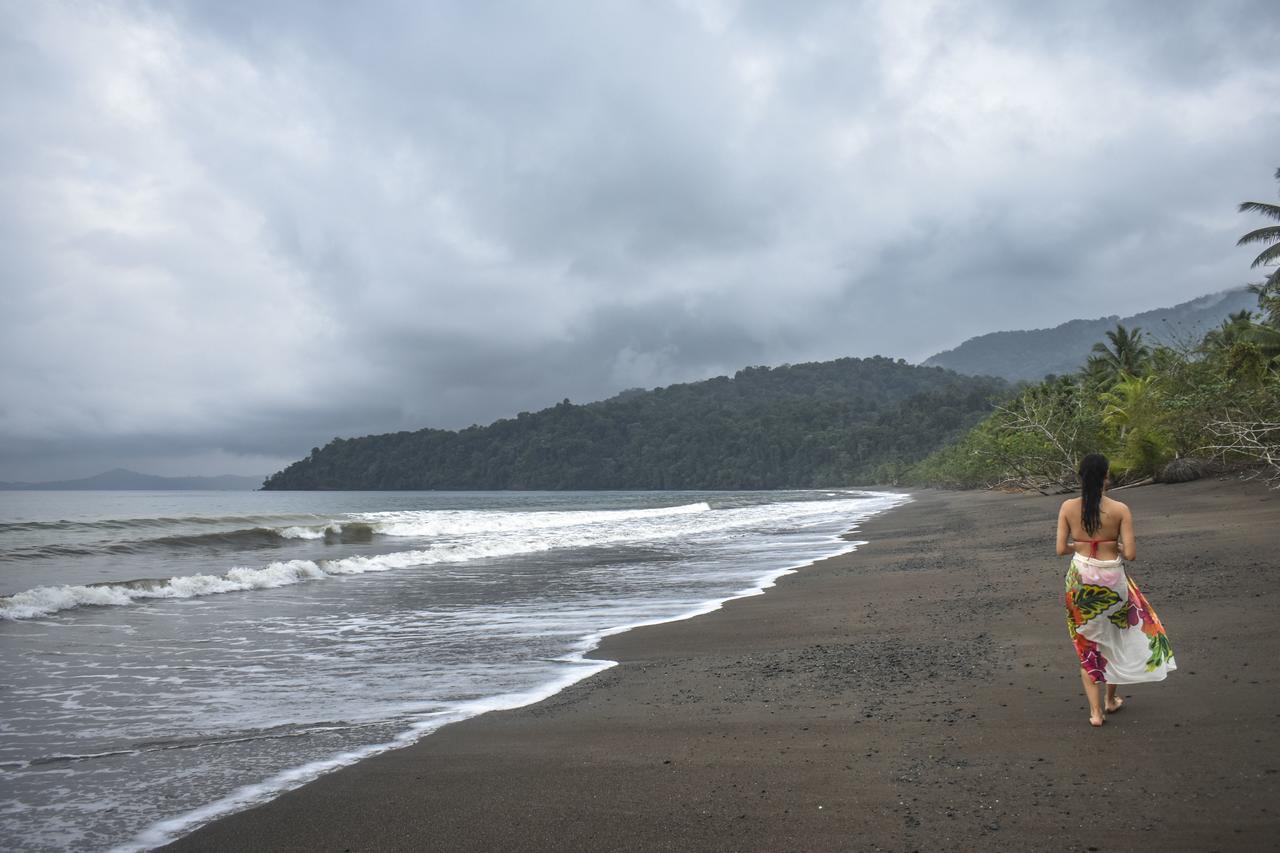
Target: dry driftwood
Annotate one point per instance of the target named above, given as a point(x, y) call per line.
point(1239, 437)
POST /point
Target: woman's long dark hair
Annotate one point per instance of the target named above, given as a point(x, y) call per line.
point(1093, 471)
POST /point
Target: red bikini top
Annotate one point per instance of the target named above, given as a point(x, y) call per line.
point(1094, 543)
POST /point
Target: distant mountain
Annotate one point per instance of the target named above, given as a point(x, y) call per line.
point(1033, 354)
point(121, 479)
point(828, 423)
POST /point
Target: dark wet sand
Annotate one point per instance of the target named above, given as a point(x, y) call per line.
point(919, 694)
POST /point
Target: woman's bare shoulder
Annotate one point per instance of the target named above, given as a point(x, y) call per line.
point(1070, 502)
point(1116, 506)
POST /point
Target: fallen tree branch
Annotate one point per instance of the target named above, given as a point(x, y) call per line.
point(1239, 436)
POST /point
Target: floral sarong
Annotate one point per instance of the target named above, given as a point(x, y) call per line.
point(1116, 632)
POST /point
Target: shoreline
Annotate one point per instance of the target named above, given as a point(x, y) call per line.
point(584, 656)
point(914, 693)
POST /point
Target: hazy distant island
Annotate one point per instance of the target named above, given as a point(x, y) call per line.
point(121, 479)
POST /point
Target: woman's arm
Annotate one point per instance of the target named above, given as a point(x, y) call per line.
point(1064, 531)
point(1128, 547)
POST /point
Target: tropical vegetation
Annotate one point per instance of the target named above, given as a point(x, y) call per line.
point(1269, 235)
point(819, 424)
point(1163, 411)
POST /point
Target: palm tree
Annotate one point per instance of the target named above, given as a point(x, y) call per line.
point(1127, 355)
point(1269, 299)
point(1266, 338)
point(1270, 235)
point(1133, 408)
point(1233, 329)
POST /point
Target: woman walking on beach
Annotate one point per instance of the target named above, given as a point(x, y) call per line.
point(1117, 635)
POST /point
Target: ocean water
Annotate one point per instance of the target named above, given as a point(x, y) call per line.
point(167, 657)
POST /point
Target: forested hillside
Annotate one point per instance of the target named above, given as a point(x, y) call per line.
point(828, 423)
point(1033, 354)
point(1169, 412)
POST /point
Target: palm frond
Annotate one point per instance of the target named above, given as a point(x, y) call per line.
point(1269, 210)
point(1269, 255)
point(1261, 208)
point(1266, 339)
point(1271, 232)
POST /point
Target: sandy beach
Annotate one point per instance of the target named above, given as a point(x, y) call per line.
point(918, 694)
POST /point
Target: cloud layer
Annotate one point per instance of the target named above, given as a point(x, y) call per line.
point(233, 230)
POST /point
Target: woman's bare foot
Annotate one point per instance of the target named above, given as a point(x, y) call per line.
point(1096, 720)
point(1114, 703)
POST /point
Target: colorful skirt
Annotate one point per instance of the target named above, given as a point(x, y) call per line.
point(1117, 634)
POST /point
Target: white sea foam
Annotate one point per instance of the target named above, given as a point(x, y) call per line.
point(463, 536)
point(467, 522)
point(580, 667)
point(528, 624)
point(306, 532)
point(452, 523)
point(169, 830)
point(46, 600)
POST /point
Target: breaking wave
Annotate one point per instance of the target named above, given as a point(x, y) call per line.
point(466, 535)
point(250, 537)
point(356, 529)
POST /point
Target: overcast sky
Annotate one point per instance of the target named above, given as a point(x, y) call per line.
point(233, 230)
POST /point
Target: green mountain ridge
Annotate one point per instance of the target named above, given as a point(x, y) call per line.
point(817, 424)
point(1032, 354)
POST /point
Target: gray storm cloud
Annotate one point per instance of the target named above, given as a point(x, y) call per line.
point(231, 231)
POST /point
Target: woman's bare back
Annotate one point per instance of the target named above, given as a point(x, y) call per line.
point(1114, 534)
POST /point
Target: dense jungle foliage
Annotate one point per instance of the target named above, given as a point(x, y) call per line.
point(1168, 412)
point(829, 423)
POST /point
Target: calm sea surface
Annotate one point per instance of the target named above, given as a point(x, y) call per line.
point(166, 657)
